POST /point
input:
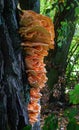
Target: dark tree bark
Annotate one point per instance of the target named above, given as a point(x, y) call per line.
point(14, 88)
point(13, 108)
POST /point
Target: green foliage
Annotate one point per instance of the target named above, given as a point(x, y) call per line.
point(49, 7)
point(72, 123)
point(28, 127)
point(72, 126)
point(74, 95)
point(72, 70)
point(51, 123)
point(71, 113)
point(63, 33)
point(77, 11)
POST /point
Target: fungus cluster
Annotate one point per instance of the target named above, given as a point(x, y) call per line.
point(37, 32)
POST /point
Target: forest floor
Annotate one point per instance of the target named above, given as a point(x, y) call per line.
point(57, 108)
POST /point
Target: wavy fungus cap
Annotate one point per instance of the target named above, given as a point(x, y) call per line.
point(37, 28)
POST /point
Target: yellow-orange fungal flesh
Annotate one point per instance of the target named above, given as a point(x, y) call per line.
point(37, 32)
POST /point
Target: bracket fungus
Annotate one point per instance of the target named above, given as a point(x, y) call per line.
point(37, 32)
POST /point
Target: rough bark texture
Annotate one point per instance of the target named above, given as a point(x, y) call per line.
point(14, 88)
point(12, 104)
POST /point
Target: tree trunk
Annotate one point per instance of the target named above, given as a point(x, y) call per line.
point(58, 59)
point(14, 88)
point(13, 108)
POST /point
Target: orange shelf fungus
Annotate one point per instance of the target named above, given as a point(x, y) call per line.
point(37, 32)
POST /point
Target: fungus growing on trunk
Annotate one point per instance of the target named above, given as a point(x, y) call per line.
point(37, 32)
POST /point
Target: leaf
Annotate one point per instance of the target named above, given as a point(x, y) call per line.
point(27, 127)
point(72, 126)
point(74, 95)
point(77, 11)
point(71, 113)
point(51, 123)
point(44, 127)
